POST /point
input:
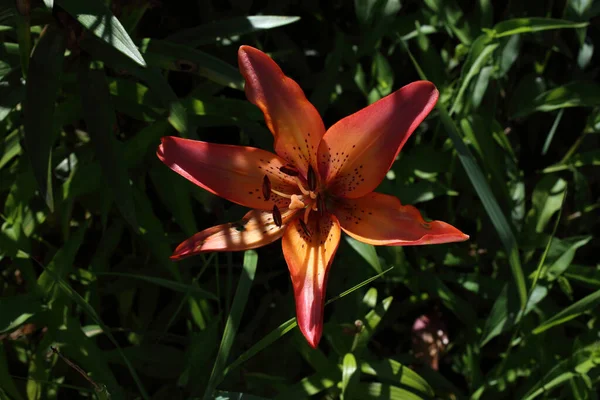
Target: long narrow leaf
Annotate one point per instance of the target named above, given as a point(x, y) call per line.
point(96, 17)
point(99, 118)
point(588, 303)
point(484, 192)
point(212, 32)
point(233, 321)
point(43, 83)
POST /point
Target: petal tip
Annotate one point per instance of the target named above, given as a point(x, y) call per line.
point(312, 335)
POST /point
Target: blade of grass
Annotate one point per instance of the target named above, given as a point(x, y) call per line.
point(552, 131)
point(177, 57)
point(396, 373)
point(588, 303)
point(287, 326)
point(100, 119)
point(43, 84)
point(173, 285)
point(213, 31)
point(233, 321)
point(529, 25)
point(529, 295)
point(95, 16)
point(484, 192)
point(89, 310)
point(23, 26)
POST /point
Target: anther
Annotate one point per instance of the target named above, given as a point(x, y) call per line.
point(266, 188)
point(320, 205)
point(289, 170)
point(304, 228)
point(312, 179)
point(277, 217)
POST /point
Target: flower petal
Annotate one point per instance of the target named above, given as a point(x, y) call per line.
point(356, 152)
point(256, 229)
point(380, 219)
point(293, 120)
point(233, 172)
point(308, 259)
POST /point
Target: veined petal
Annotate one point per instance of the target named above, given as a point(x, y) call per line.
point(309, 255)
point(293, 120)
point(356, 152)
point(380, 219)
point(233, 172)
point(256, 229)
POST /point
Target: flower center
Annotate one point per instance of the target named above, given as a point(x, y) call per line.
point(309, 198)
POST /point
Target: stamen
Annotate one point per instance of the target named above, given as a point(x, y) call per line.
point(278, 193)
point(305, 228)
point(296, 203)
point(312, 179)
point(306, 212)
point(288, 170)
point(304, 191)
point(277, 217)
point(266, 188)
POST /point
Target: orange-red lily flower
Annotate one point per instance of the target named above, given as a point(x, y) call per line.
point(316, 185)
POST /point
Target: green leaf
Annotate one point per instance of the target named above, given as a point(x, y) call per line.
point(221, 395)
point(506, 312)
point(177, 57)
point(43, 84)
point(380, 391)
point(12, 92)
point(583, 159)
point(371, 321)
point(588, 275)
point(349, 376)
point(484, 192)
point(16, 310)
point(561, 255)
point(233, 321)
point(89, 310)
point(529, 25)
point(552, 131)
point(62, 262)
point(480, 53)
point(546, 200)
point(100, 121)
point(586, 304)
point(8, 388)
point(173, 285)
point(287, 326)
point(95, 16)
point(218, 30)
point(23, 28)
point(573, 94)
point(366, 251)
point(10, 148)
point(392, 371)
point(453, 17)
point(175, 195)
point(579, 363)
point(262, 344)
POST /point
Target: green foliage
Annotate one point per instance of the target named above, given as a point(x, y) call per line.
point(90, 216)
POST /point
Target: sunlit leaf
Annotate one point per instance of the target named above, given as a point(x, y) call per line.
point(216, 31)
point(96, 17)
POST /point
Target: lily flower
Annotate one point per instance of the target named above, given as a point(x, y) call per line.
point(317, 184)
